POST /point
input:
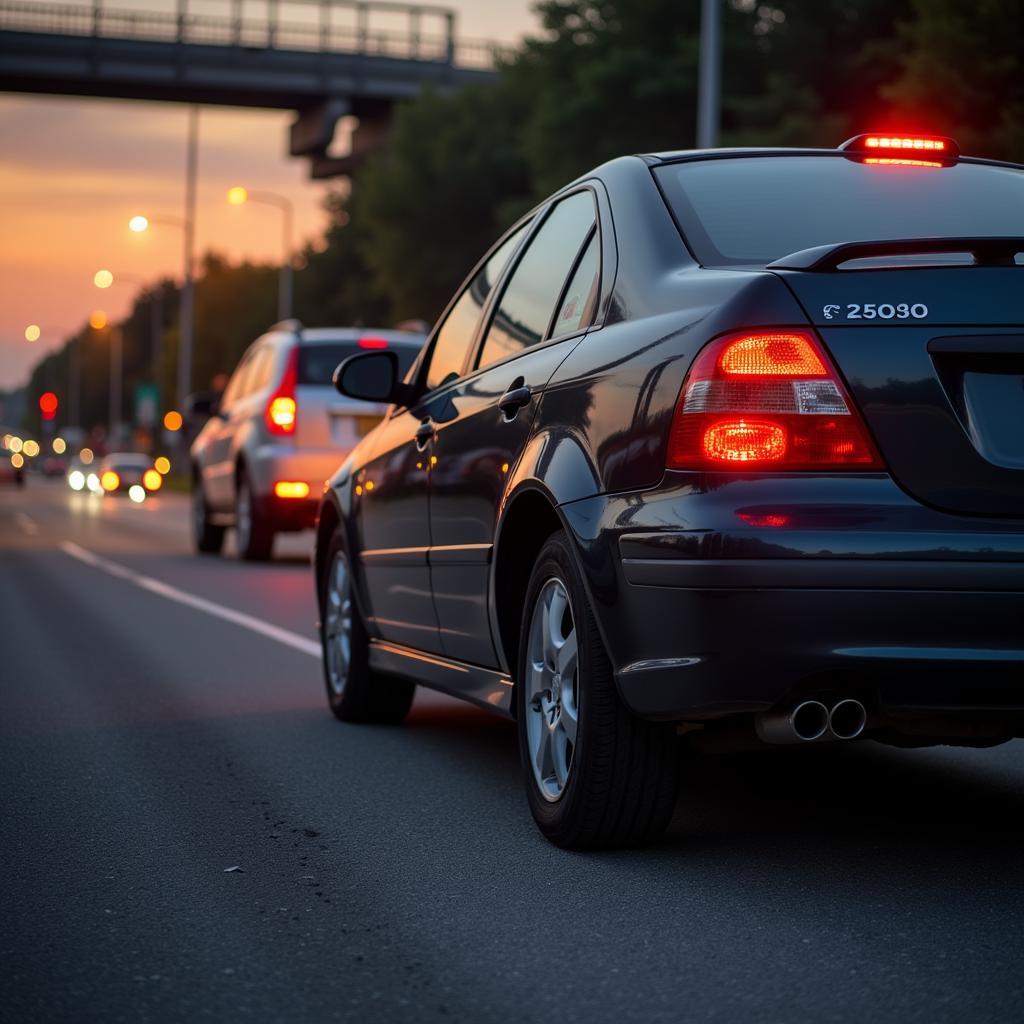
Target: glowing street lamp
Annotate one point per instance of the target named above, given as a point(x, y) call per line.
point(103, 279)
point(97, 319)
point(33, 332)
point(239, 196)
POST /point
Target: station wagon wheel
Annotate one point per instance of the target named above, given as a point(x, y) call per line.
point(207, 537)
point(354, 691)
point(254, 536)
point(596, 776)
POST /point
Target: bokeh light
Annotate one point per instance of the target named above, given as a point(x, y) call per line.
point(15, 443)
point(152, 480)
point(138, 223)
point(162, 464)
point(137, 493)
point(86, 456)
point(33, 332)
point(76, 479)
point(97, 319)
point(92, 481)
point(237, 195)
point(17, 460)
point(103, 279)
point(60, 446)
point(172, 420)
point(31, 448)
point(109, 480)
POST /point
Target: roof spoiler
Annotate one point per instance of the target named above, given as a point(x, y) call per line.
point(988, 252)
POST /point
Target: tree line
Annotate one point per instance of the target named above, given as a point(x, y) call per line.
point(605, 77)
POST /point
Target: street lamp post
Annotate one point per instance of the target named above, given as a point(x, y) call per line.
point(709, 91)
point(187, 223)
point(237, 196)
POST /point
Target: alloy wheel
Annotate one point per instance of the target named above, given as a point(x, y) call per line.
point(338, 623)
point(552, 697)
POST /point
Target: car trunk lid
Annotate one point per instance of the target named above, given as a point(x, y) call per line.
point(934, 358)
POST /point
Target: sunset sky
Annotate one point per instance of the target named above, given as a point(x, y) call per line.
point(73, 171)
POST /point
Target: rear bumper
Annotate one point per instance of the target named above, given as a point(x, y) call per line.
point(706, 614)
point(272, 463)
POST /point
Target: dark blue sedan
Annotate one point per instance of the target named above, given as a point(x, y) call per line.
point(727, 444)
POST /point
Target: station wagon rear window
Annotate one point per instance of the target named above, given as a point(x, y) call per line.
point(317, 363)
point(752, 210)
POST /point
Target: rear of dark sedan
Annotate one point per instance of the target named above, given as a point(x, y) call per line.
point(838, 544)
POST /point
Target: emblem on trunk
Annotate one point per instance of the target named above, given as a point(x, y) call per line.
point(830, 311)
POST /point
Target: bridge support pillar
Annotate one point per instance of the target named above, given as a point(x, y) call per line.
point(312, 132)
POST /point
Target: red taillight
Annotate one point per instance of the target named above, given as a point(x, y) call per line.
point(282, 409)
point(767, 400)
point(373, 343)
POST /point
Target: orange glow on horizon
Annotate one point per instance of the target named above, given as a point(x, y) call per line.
point(97, 319)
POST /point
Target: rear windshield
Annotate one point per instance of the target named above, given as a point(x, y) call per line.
point(752, 210)
point(317, 363)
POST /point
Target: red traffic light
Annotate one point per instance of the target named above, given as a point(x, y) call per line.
point(48, 405)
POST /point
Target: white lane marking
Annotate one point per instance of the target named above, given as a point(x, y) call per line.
point(154, 586)
point(27, 524)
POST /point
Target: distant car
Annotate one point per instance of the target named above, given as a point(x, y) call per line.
point(118, 472)
point(55, 465)
point(726, 443)
point(280, 430)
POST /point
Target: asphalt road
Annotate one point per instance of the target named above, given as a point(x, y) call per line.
point(148, 743)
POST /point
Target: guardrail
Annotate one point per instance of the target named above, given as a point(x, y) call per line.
point(374, 28)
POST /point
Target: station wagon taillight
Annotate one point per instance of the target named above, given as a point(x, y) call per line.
point(282, 410)
point(767, 400)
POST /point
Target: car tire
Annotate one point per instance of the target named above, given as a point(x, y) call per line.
point(606, 778)
point(207, 537)
point(254, 536)
point(354, 691)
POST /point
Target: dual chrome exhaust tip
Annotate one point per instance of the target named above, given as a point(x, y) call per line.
point(811, 720)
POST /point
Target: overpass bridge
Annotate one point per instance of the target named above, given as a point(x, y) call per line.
point(324, 59)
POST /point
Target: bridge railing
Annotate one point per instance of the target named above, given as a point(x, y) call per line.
point(374, 28)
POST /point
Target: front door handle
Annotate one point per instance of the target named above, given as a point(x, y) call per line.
point(513, 400)
point(424, 434)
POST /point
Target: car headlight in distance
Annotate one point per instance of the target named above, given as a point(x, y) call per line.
point(76, 479)
point(137, 493)
point(92, 481)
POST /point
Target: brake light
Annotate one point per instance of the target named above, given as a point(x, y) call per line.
point(902, 150)
point(770, 399)
point(902, 142)
point(375, 343)
point(282, 410)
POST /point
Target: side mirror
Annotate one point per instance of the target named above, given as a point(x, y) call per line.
point(202, 405)
point(371, 377)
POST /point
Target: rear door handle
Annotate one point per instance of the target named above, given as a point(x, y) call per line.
point(513, 400)
point(424, 434)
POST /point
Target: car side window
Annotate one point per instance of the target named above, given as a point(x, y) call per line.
point(456, 334)
point(576, 310)
point(235, 389)
point(526, 307)
point(259, 376)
